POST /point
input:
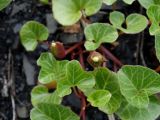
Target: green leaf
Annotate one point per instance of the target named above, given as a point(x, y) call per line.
point(68, 12)
point(31, 33)
point(107, 80)
point(117, 19)
point(153, 13)
point(146, 3)
point(75, 76)
point(98, 33)
point(51, 70)
point(128, 112)
point(4, 3)
point(156, 2)
point(99, 98)
point(129, 1)
point(44, 1)
point(157, 46)
point(45, 111)
point(137, 83)
point(109, 2)
point(40, 94)
point(135, 23)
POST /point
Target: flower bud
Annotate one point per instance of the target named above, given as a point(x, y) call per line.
point(95, 59)
point(58, 50)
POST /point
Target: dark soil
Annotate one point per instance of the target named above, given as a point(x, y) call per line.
point(131, 49)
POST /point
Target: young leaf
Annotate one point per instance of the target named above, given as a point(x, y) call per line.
point(128, 112)
point(107, 80)
point(75, 76)
point(40, 94)
point(146, 3)
point(137, 83)
point(4, 3)
point(68, 12)
point(45, 111)
point(109, 2)
point(157, 46)
point(117, 19)
point(153, 13)
point(31, 33)
point(129, 1)
point(50, 68)
point(135, 23)
point(98, 33)
point(99, 98)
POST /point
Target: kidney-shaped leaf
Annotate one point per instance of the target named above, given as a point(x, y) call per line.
point(68, 12)
point(31, 33)
point(137, 83)
point(157, 46)
point(40, 94)
point(107, 80)
point(51, 69)
point(153, 13)
point(98, 33)
point(45, 111)
point(135, 23)
point(4, 3)
point(109, 2)
point(129, 1)
point(75, 76)
point(99, 98)
point(146, 3)
point(128, 112)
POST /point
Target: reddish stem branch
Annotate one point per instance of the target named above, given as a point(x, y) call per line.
point(110, 55)
point(69, 50)
point(81, 58)
point(83, 106)
point(80, 95)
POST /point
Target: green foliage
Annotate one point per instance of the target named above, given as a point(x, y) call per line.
point(128, 112)
point(75, 76)
point(68, 12)
point(137, 84)
point(153, 13)
point(44, 1)
point(130, 93)
point(107, 80)
point(129, 1)
point(4, 4)
point(98, 33)
point(109, 2)
point(99, 98)
point(146, 3)
point(157, 46)
point(135, 23)
point(40, 94)
point(51, 69)
point(46, 111)
point(31, 33)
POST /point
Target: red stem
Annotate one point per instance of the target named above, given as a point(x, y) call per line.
point(81, 58)
point(69, 50)
point(83, 106)
point(110, 56)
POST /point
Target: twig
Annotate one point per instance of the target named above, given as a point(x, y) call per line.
point(111, 117)
point(11, 81)
point(141, 49)
point(110, 56)
point(13, 108)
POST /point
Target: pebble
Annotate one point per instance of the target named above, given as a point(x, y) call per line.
point(29, 71)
